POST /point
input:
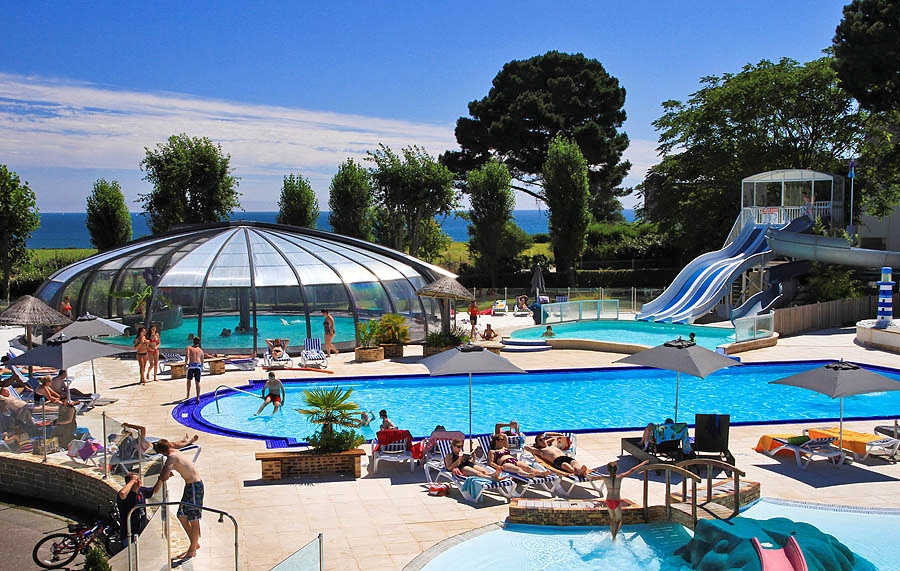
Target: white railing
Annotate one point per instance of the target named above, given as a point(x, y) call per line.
point(779, 215)
point(590, 309)
point(754, 327)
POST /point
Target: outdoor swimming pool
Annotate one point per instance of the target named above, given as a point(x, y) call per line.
point(577, 400)
point(871, 534)
point(632, 332)
point(270, 327)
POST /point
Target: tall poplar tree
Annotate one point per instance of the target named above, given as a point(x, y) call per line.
point(567, 191)
point(298, 205)
point(108, 219)
point(350, 201)
point(492, 203)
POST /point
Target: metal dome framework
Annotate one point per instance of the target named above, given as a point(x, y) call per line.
point(248, 275)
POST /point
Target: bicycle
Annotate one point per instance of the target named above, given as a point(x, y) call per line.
point(60, 549)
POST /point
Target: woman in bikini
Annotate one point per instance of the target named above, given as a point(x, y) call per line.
point(501, 459)
point(462, 465)
point(142, 347)
point(153, 351)
point(613, 494)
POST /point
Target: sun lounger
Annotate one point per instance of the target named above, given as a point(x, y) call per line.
point(860, 444)
point(499, 307)
point(275, 359)
point(312, 353)
point(472, 488)
point(568, 481)
point(804, 448)
point(392, 446)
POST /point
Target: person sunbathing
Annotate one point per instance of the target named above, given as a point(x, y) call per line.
point(463, 464)
point(501, 459)
point(146, 444)
point(550, 447)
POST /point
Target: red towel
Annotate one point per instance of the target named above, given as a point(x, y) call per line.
point(385, 437)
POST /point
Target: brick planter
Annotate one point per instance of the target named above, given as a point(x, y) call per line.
point(279, 464)
point(428, 351)
point(369, 354)
point(392, 351)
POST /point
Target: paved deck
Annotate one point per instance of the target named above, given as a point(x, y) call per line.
point(383, 521)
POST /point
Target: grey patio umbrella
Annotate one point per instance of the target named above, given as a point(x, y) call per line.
point(90, 326)
point(680, 356)
point(468, 359)
point(65, 353)
point(445, 288)
point(537, 282)
point(838, 380)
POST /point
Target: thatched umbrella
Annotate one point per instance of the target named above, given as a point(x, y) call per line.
point(446, 288)
point(28, 311)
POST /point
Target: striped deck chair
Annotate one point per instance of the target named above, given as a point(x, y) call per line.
point(549, 483)
point(472, 489)
point(312, 354)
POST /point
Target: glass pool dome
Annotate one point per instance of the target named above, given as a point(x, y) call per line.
point(237, 283)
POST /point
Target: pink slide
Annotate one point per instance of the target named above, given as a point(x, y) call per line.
point(789, 558)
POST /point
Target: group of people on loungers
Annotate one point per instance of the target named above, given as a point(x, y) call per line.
point(550, 449)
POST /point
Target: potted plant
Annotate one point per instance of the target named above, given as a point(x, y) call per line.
point(392, 334)
point(368, 349)
point(436, 341)
point(335, 442)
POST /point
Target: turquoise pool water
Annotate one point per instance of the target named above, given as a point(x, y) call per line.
point(580, 400)
point(270, 327)
point(872, 535)
point(634, 332)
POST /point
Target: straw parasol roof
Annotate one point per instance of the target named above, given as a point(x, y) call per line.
point(447, 288)
point(29, 310)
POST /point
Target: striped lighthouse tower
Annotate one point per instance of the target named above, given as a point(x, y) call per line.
point(885, 299)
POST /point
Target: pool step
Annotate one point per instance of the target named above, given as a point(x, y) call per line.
point(521, 346)
point(524, 342)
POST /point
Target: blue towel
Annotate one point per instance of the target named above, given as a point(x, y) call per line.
point(474, 485)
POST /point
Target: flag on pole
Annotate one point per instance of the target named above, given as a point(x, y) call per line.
point(852, 173)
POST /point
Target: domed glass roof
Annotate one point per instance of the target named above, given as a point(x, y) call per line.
point(237, 283)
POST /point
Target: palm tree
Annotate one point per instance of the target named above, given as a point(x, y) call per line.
point(329, 408)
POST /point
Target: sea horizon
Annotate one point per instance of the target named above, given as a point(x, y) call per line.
point(69, 230)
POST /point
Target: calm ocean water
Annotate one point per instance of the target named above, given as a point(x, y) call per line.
point(67, 229)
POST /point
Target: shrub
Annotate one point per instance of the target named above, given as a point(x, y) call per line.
point(392, 330)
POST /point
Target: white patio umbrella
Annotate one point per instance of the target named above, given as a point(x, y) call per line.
point(468, 359)
point(681, 356)
point(90, 326)
point(838, 380)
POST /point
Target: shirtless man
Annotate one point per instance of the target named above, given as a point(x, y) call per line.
point(273, 392)
point(546, 448)
point(613, 495)
point(194, 359)
point(188, 515)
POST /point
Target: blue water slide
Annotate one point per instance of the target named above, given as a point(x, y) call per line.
point(781, 291)
point(706, 279)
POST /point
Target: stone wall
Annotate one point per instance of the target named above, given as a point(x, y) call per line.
point(81, 490)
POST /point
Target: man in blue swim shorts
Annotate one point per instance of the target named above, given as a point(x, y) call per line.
point(189, 512)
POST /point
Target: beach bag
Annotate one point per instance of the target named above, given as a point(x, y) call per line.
point(88, 449)
point(438, 489)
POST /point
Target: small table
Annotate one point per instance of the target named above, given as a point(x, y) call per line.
point(216, 365)
point(178, 370)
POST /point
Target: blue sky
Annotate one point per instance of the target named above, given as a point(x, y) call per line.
point(298, 87)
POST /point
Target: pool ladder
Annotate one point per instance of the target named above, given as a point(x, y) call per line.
point(216, 394)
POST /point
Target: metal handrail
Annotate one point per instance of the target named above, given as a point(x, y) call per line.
point(134, 564)
point(216, 394)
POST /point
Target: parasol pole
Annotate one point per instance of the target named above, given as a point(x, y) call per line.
point(677, 383)
point(470, 411)
point(44, 426)
point(841, 432)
